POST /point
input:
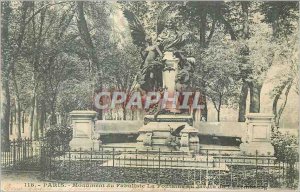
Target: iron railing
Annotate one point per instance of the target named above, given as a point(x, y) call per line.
point(209, 168)
point(21, 154)
point(129, 165)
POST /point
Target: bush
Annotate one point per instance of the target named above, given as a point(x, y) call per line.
point(94, 170)
point(58, 137)
point(286, 150)
point(285, 146)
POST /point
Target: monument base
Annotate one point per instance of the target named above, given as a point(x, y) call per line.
point(262, 148)
point(85, 144)
point(258, 137)
point(161, 133)
point(185, 149)
point(83, 125)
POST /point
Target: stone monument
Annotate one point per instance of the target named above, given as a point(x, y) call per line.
point(258, 137)
point(83, 123)
point(171, 129)
point(164, 67)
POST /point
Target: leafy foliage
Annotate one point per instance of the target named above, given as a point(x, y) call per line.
point(218, 72)
point(49, 67)
point(57, 138)
point(281, 15)
point(285, 146)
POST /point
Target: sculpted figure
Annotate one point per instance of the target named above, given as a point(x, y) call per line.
point(166, 39)
point(186, 66)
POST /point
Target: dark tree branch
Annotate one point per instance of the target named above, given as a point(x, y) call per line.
point(43, 7)
point(229, 28)
point(212, 30)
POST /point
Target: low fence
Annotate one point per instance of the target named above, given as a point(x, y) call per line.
point(129, 165)
point(210, 168)
point(22, 154)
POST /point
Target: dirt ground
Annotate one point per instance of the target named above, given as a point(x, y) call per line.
point(31, 181)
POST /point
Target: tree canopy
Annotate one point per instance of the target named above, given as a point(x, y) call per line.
point(57, 54)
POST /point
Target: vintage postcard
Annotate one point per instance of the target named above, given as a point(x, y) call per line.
point(149, 95)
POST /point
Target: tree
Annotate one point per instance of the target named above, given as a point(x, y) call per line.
point(286, 150)
point(200, 17)
point(261, 56)
point(56, 55)
point(283, 17)
point(288, 56)
point(5, 68)
point(42, 53)
point(219, 61)
point(34, 33)
point(46, 40)
point(244, 52)
point(86, 37)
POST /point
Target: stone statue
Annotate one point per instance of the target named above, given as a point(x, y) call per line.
point(186, 67)
point(166, 38)
point(150, 78)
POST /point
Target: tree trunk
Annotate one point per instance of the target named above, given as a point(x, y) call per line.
point(204, 111)
point(5, 105)
point(100, 111)
point(194, 114)
point(25, 6)
point(42, 119)
point(18, 116)
point(5, 66)
point(211, 33)
point(245, 8)
point(11, 125)
point(228, 27)
point(217, 104)
point(124, 113)
point(23, 121)
point(244, 52)
point(243, 102)
point(53, 119)
point(275, 25)
point(86, 37)
point(219, 107)
point(35, 120)
point(255, 89)
point(17, 103)
point(281, 109)
point(202, 30)
point(132, 115)
point(203, 44)
point(275, 102)
point(31, 124)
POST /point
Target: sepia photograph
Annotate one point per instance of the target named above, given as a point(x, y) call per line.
point(149, 95)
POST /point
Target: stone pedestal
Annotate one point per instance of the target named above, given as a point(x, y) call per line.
point(258, 138)
point(83, 123)
point(170, 71)
point(189, 140)
point(162, 131)
point(156, 133)
point(169, 78)
point(144, 139)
